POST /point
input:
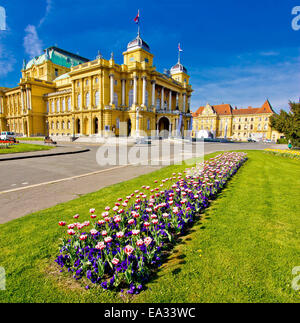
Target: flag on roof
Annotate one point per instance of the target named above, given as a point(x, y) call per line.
point(137, 18)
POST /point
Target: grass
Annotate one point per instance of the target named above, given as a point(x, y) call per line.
point(242, 250)
point(30, 138)
point(23, 148)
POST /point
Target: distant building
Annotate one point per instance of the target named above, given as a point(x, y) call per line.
point(64, 94)
point(222, 121)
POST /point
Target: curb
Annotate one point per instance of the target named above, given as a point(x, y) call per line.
point(45, 155)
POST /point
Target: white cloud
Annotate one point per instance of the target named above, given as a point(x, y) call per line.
point(32, 44)
point(48, 9)
point(248, 84)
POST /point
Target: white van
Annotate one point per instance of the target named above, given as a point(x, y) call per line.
point(7, 135)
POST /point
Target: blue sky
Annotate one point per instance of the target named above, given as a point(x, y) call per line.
point(236, 51)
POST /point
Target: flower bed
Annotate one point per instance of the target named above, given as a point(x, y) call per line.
point(124, 245)
point(284, 152)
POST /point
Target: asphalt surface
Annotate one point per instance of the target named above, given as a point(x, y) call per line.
point(30, 185)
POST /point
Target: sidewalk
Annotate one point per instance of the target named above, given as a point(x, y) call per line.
point(59, 150)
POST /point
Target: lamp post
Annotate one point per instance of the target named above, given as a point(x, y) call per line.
point(73, 119)
point(47, 128)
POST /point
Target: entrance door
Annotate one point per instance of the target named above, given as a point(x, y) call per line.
point(129, 128)
point(163, 127)
point(78, 126)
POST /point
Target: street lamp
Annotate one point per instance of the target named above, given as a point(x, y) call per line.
point(47, 128)
point(73, 119)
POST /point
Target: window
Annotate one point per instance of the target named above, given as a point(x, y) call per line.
point(266, 127)
point(79, 101)
point(266, 119)
point(96, 80)
point(52, 106)
point(78, 84)
point(47, 107)
point(57, 125)
point(116, 99)
point(56, 72)
point(97, 98)
point(146, 60)
point(63, 105)
point(259, 127)
point(246, 119)
point(131, 59)
point(118, 123)
point(63, 125)
point(87, 99)
point(148, 124)
point(87, 82)
point(130, 98)
point(69, 124)
point(57, 105)
point(69, 104)
point(116, 82)
point(251, 127)
point(52, 125)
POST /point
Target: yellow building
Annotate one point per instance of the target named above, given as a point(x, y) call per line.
point(222, 121)
point(63, 94)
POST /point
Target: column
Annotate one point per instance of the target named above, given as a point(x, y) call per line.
point(135, 90)
point(111, 78)
point(170, 100)
point(162, 103)
point(144, 90)
point(123, 92)
point(153, 93)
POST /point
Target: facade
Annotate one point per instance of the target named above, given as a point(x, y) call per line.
point(222, 121)
point(63, 94)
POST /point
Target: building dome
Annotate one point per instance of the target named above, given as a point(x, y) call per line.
point(178, 68)
point(138, 42)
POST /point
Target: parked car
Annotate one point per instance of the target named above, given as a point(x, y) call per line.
point(252, 140)
point(7, 135)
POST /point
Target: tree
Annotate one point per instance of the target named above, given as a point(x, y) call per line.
point(288, 123)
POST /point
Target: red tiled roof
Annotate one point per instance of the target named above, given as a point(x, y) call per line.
point(226, 109)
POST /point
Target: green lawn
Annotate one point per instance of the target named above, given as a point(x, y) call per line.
point(242, 250)
point(23, 148)
point(30, 138)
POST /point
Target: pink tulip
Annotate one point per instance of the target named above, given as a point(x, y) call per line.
point(129, 250)
point(71, 232)
point(100, 245)
point(115, 261)
point(108, 239)
point(62, 223)
point(147, 241)
point(83, 237)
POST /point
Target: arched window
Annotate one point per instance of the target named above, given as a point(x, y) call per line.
point(69, 104)
point(148, 124)
point(259, 127)
point(57, 105)
point(63, 103)
point(63, 125)
point(87, 99)
point(116, 100)
point(57, 125)
point(158, 104)
point(147, 98)
point(97, 98)
point(118, 123)
point(52, 106)
point(52, 125)
point(79, 101)
point(130, 98)
point(69, 124)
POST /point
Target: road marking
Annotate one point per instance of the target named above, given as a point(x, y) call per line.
point(64, 179)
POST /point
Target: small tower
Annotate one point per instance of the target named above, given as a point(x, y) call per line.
point(138, 51)
point(179, 72)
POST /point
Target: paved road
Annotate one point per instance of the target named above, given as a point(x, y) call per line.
point(30, 185)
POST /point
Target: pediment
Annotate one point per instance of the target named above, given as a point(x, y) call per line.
point(208, 111)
